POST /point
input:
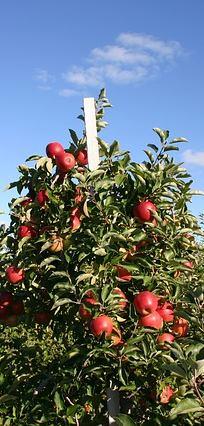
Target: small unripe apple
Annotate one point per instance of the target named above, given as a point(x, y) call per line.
point(165, 337)
point(100, 325)
point(54, 149)
point(82, 157)
point(65, 161)
point(142, 211)
point(145, 302)
point(152, 320)
point(15, 275)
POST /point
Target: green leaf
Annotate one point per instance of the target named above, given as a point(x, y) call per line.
point(163, 134)
point(154, 147)
point(6, 398)
point(58, 402)
point(171, 148)
point(187, 405)
point(74, 136)
point(114, 147)
point(100, 251)
point(177, 140)
point(124, 420)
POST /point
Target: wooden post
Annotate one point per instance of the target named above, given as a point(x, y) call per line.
point(93, 159)
point(91, 133)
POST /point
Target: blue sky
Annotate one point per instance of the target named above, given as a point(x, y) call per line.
point(148, 54)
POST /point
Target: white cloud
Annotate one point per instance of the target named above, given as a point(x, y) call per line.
point(44, 78)
point(166, 49)
point(131, 59)
point(67, 93)
point(196, 157)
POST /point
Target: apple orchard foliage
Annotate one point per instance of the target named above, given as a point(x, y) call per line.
point(84, 255)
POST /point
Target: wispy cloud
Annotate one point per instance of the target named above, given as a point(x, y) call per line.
point(132, 58)
point(44, 79)
point(67, 93)
point(196, 157)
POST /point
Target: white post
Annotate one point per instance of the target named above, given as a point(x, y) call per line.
point(91, 133)
point(93, 159)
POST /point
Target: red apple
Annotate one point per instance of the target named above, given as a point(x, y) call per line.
point(54, 149)
point(100, 325)
point(166, 311)
point(122, 303)
point(152, 320)
point(26, 231)
point(83, 311)
point(145, 302)
point(180, 327)
point(65, 161)
point(6, 298)
point(123, 274)
point(75, 223)
point(15, 275)
point(42, 197)
point(42, 317)
point(142, 211)
point(82, 157)
point(165, 337)
point(17, 307)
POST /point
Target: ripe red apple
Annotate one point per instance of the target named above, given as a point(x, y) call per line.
point(75, 223)
point(54, 149)
point(42, 317)
point(42, 197)
point(123, 273)
point(4, 311)
point(166, 311)
point(123, 303)
point(82, 157)
point(6, 298)
point(142, 211)
point(165, 337)
point(17, 307)
point(26, 231)
point(65, 161)
point(180, 327)
point(15, 275)
point(145, 302)
point(152, 320)
point(100, 325)
point(83, 311)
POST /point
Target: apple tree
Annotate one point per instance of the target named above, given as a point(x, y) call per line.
point(102, 288)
